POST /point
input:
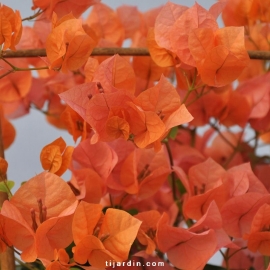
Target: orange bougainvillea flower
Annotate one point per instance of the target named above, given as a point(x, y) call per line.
point(55, 157)
point(68, 46)
point(88, 185)
point(166, 18)
point(61, 261)
point(131, 18)
point(90, 68)
point(143, 172)
point(164, 100)
point(62, 8)
point(116, 73)
point(237, 111)
point(220, 55)
point(259, 10)
point(236, 12)
point(145, 126)
point(101, 108)
point(156, 111)
point(185, 249)
point(147, 232)
point(74, 123)
point(100, 238)
point(222, 188)
point(91, 166)
point(10, 27)
point(4, 242)
point(8, 131)
point(99, 157)
point(112, 110)
point(238, 212)
point(195, 17)
point(37, 219)
point(221, 151)
point(259, 235)
point(106, 23)
point(15, 86)
point(257, 91)
point(160, 55)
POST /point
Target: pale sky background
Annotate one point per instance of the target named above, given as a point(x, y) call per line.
point(33, 132)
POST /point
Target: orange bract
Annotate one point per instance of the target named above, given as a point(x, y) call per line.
point(161, 56)
point(10, 27)
point(166, 18)
point(55, 157)
point(106, 24)
point(143, 172)
point(37, 220)
point(61, 261)
point(61, 8)
point(259, 10)
point(8, 131)
point(193, 18)
point(220, 56)
point(115, 73)
point(74, 123)
point(259, 236)
point(162, 102)
point(184, 248)
point(15, 86)
point(68, 46)
point(236, 12)
point(99, 239)
point(147, 232)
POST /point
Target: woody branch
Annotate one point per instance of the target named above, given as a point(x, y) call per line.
point(263, 55)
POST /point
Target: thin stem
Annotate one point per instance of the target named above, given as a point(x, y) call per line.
point(236, 149)
point(266, 261)
point(33, 16)
point(225, 259)
point(174, 178)
point(198, 96)
point(141, 259)
point(236, 252)
point(25, 265)
point(5, 74)
point(173, 173)
point(32, 106)
point(190, 87)
point(221, 135)
point(123, 198)
point(111, 200)
point(193, 137)
point(22, 69)
point(14, 68)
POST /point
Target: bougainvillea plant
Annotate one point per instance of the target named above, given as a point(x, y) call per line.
point(165, 169)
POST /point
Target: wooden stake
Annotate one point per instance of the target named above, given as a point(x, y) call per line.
point(6, 258)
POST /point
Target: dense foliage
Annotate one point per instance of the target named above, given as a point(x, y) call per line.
point(166, 167)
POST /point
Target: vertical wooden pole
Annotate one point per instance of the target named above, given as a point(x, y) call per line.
point(6, 258)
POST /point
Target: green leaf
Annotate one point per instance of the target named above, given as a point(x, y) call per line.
point(173, 133)
point(133, 211)
point(6, 186)
point(180, 187)
point(213, 267)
